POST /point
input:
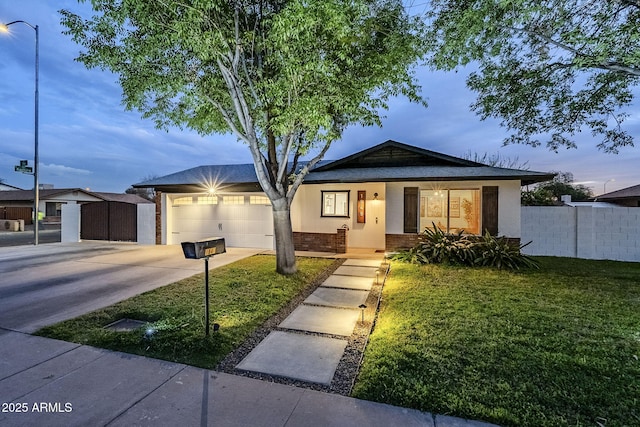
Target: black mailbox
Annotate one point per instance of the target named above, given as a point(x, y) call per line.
point(204, 248)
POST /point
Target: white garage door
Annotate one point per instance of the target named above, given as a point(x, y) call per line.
point(243, 221)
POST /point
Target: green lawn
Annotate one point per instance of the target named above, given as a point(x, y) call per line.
point(559, 346)
point(242, 296)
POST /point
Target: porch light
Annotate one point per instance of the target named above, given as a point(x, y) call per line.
point(375, 196)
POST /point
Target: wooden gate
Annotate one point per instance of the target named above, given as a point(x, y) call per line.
point(114, 221)
point(16, 212)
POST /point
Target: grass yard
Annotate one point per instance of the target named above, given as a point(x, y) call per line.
point(242, 296)
point(559, 346)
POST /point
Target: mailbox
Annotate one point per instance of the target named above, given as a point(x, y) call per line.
point(204, 248)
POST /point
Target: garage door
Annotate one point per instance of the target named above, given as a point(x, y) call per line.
point(243, 221)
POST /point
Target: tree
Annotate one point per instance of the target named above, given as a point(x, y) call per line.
point(547, 69)
point(145, 193)
point(496, 160)
point(286, 77)
point(550, 193)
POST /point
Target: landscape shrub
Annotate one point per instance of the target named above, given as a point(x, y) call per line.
point(438, 247)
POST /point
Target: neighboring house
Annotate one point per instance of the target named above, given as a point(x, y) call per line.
point(19, 203)
point(629, 197)
point(7, 187)
point(379, 198)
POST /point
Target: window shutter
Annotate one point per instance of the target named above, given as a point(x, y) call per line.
point(490, 210)
point(411, 209)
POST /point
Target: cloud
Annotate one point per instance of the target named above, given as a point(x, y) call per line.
point(61, 170)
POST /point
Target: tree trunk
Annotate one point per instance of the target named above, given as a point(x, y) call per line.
point(285, 253)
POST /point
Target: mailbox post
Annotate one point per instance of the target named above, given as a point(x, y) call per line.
point(204, 249)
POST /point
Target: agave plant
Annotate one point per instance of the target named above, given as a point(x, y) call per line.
point(437, 246)
point(500, 253)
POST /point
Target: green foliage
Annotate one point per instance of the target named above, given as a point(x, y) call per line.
point(548, 69)
point(285, 77)
point(550, 193)
point(438, 247)
point(553, 347)
point(286, 74)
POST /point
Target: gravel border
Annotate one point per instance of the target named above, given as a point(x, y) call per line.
point(349, 365)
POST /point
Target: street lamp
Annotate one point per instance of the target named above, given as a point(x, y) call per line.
point(605, 184)
point(36, 190)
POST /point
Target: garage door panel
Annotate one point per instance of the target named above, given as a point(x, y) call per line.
point(240, 225)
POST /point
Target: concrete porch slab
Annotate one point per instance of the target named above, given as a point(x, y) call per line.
point(350, 270)
point(337, 297)
point(327, 320)
point(302, 357)
point(348, 282)
point(363, 262)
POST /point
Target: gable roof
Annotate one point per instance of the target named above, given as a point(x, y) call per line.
point(632, 192)
point(395, 154)
point(385, 162)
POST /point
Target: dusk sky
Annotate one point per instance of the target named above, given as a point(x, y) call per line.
point(87, 140)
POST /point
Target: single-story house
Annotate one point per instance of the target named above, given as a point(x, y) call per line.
point(629, 197)
point(7, 187)
point(18, 204)
point(379, 198)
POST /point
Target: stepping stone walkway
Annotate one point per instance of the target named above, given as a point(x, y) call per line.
point(309, 343)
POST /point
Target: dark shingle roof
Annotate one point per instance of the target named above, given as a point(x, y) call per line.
point(389, 161)
point(629, 192)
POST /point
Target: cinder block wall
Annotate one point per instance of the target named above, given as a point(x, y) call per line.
point(582, 232)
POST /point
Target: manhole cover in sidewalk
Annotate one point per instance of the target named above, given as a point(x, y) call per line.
point(125, 325)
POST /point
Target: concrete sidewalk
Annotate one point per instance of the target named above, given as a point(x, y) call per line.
point(55, 383)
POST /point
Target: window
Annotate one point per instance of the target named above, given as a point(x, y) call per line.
point(259, 200)
point(233, 200)
point(335, 203)
point(207, 200)
point(183, 201)
point(451, 210)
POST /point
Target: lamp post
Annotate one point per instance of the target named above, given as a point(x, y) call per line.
point(36, 190)
point(605, 184)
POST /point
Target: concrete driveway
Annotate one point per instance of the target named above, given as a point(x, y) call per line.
point(44, 284)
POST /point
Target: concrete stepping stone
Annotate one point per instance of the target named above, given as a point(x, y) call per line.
point(301, 357)
point(337, 297)
point(349, 282)
point(326, 320)
point(352, 270)
point(363, 262)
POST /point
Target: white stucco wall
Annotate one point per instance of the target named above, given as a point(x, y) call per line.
point(146, 224)
point(306, 213)
point(70, 228)
point(508, 202)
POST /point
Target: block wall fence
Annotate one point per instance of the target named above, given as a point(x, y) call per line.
point(582, 232)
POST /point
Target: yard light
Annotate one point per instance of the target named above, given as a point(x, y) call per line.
point(4, 28)
point(362, 307)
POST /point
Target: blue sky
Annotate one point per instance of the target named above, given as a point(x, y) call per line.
point(87, 140)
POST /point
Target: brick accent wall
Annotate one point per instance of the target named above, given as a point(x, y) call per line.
point(341, 241)
point(394, 242)
point(158, 217)
point(319, 242)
